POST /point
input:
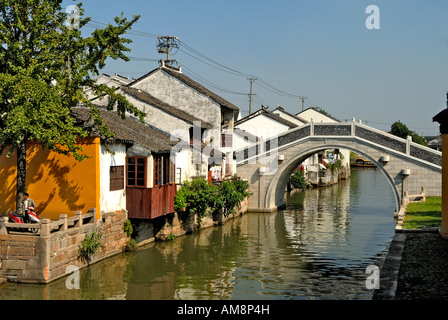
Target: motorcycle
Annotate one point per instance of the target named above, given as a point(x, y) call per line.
point(28, 217)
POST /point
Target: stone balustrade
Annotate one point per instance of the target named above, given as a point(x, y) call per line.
point(44, 256)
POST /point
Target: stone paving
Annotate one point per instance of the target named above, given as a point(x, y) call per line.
point(423, 271)
point(416, 267)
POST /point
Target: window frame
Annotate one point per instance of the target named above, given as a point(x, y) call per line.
point(145, 169)
point(113, 178)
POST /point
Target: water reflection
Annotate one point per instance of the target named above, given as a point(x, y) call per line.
point(318, 248)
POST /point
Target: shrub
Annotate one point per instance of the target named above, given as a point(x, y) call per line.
point(298, 179)
point(90, 245)
point(180, 201)
point(127, 228)
point(200, 195)
point(131, 245)
point(171, 237)
point(230, 197)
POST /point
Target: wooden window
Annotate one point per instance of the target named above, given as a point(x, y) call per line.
point(116, 178)
point(136, 170)
point(226, 140)
point(162, 170)
point(178, 177)
point(172, 173)
point(166, 170)
point(157, 171)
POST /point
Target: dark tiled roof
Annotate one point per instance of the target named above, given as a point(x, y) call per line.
point(153, 101)
point(127, 130)
point(198, 87)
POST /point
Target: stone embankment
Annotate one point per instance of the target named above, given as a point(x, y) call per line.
point(43, 257)
point(178, 224)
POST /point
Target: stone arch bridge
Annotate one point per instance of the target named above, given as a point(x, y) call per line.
point(267, 165)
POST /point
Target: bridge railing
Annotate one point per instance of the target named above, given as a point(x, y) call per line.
point(341, 129)
point(406, 146)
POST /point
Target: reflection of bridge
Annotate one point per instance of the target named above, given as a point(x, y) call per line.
point(267, 166)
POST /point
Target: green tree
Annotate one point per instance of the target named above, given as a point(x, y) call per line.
point(401, 130)
point(45, 66)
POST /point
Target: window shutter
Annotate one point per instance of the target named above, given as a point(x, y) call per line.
point(116, 178)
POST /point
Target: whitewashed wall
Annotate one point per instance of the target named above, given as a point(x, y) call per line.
point(111, 200)
point(262, 127)
point(176, 93)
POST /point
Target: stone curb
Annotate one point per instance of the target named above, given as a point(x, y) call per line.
point(390, 269)
point(420, 230)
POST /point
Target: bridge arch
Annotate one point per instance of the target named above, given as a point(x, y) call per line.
point(276, 189)
point(407, 166)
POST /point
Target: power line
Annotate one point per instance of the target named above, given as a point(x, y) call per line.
point(203, 59)
point(230, 70)
point(197, 77)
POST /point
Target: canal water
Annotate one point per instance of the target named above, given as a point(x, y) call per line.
point(317, 248)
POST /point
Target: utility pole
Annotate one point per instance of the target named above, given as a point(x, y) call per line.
point(164, 46)
point(252, 80)
point(303, 102)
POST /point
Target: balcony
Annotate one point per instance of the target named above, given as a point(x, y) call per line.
point(150, 203)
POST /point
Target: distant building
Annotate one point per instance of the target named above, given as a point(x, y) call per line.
point(179, 106)
point(436, 143)
point(263, 124)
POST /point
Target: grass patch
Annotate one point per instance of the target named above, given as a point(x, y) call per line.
point(426, 214)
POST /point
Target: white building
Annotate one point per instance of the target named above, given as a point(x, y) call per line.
point(184, 109)
point(264, 124)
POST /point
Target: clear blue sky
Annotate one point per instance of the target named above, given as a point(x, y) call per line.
point(320, 49)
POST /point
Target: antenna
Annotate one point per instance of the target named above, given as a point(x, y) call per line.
point(164, 46)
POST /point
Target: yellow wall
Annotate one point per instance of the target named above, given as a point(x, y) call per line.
point(58, 184)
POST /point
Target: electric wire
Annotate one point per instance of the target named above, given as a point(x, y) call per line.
point(197, 77)
point(193, 53)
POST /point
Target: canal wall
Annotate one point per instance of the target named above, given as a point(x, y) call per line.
point(43, 257)
point(325, 178)
point(178, 224)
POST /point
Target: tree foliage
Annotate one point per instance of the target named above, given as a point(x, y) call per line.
point(45, 66)
point(200, 196)
point(298, 179)
point(401, 130)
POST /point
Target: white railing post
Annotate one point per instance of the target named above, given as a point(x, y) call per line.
point(312, 127)
point(408, 145)
point(353, 131)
